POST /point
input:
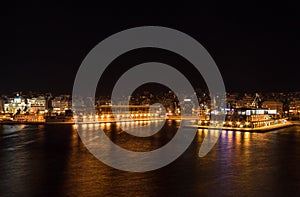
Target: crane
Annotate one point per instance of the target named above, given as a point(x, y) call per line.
point(255, 101)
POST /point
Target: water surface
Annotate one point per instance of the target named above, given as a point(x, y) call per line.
point(50, 160)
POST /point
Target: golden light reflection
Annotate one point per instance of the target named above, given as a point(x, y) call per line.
point(200, 135)
point(102, 125)
point(230, 133)
point(108, 125)
point(74, 141)
point(237, 137)
point(84, 126)
point(247, 136)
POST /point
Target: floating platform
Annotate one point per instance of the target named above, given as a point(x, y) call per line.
point(257, 129)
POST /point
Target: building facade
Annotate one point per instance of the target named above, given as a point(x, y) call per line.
point(37, 105)
point(274, 105)
point(16, 105)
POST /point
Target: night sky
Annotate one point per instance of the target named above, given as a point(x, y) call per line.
point(256, 47)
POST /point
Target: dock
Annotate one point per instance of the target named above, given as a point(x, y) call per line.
point(256, 130)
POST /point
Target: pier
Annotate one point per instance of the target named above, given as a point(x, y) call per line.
point(256, 129)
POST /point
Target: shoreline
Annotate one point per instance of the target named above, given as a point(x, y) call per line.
point(257, 130)
point(70, 123)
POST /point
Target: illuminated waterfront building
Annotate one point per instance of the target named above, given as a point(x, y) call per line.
point(274, 105)
point(61, 103)
point(16, 105)
point(294, 108)
point(37, 105)
point(254, 117)
point(136, 111)
point(246, 101)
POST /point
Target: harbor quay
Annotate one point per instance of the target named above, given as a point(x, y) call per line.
point(246, 113)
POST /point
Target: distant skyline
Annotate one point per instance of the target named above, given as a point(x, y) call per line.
point(256, 48)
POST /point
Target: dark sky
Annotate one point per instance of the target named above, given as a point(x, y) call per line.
point(256, 47)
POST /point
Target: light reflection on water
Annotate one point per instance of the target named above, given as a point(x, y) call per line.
point(51, 160)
